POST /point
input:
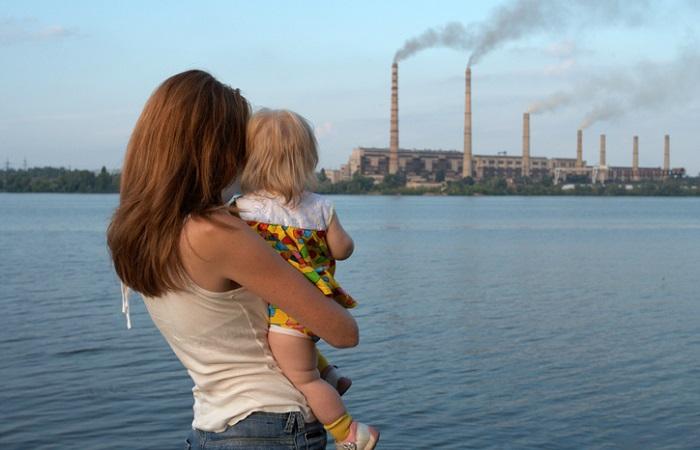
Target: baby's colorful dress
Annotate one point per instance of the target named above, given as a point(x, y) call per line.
point(298, 234)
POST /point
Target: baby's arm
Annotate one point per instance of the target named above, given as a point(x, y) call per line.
point(339, 241)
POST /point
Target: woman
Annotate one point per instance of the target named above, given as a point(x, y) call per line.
point(203, 272)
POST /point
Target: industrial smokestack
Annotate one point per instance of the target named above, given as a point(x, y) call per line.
point(602, 166)
point(667, 156)
point(467, 163)
point(635, 158)
point(526, 145)
point(579, 149)
point(394, 128)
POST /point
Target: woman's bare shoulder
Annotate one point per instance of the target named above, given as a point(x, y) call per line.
point(217, 221)
point(211, 235)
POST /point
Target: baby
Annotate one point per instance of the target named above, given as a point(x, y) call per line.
point(304, 228)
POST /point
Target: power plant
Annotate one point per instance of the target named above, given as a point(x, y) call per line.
point(430, 167)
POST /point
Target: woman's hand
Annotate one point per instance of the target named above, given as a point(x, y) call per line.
point(224, 248)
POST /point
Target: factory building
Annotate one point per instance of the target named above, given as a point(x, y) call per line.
point(447, 165)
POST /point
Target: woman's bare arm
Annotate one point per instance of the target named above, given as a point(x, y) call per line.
point(340, 243)
point(230, 250)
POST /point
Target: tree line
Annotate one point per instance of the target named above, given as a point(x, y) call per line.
point(52, 179)
point(58, 179)
point(396, 184)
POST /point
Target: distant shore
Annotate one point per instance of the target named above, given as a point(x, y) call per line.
point(62, 180)
point(393, 185)
point(59, 180)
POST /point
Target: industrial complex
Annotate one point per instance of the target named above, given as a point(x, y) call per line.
point(432, 167)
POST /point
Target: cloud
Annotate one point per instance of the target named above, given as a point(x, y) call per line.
point(56, 32)
point(567, 53)
point(324, 130)
point(560, 68)
point(17, 31)
point(562, 49)
point(557, 59)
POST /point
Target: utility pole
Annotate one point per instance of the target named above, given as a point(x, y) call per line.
point(24, 164)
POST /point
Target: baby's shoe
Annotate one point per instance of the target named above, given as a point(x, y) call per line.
point(336, 379)
point(361, 437)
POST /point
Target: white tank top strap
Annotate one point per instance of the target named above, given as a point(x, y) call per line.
point(125, 304)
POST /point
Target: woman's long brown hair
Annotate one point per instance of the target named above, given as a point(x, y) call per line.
point(186, 147)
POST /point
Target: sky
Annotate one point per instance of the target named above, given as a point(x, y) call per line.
point(75, 75)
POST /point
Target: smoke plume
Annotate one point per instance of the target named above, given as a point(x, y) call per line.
point(648, 85)
point(607, 110)
point(552, 103)
point(453, 35)
point(517, 19)
point(520, 18)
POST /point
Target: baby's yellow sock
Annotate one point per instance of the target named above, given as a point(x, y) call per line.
point(340, 428)
point(322, 361)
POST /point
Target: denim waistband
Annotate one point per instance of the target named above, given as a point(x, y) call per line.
point(274, 430)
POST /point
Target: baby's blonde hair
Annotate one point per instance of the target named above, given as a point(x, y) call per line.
point(281, 155)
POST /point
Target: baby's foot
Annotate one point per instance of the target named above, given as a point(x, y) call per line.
point(361, 437)
point(333, 377)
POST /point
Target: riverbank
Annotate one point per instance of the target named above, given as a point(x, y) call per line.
point(62, 180)
point(358, 185)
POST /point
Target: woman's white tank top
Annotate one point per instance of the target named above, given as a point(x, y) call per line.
point(221, 339)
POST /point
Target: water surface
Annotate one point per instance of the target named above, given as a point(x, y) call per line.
point(489, 323)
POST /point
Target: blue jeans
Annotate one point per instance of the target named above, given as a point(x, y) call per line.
point(263, 431)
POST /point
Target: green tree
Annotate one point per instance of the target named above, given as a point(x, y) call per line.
point(440, 175)
point(360, 183)
point(103, 182)
point(395, 180)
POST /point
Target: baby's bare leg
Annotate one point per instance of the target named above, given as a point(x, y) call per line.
point(298, 360)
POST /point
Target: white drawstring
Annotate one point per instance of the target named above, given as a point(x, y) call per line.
point(125, 305)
